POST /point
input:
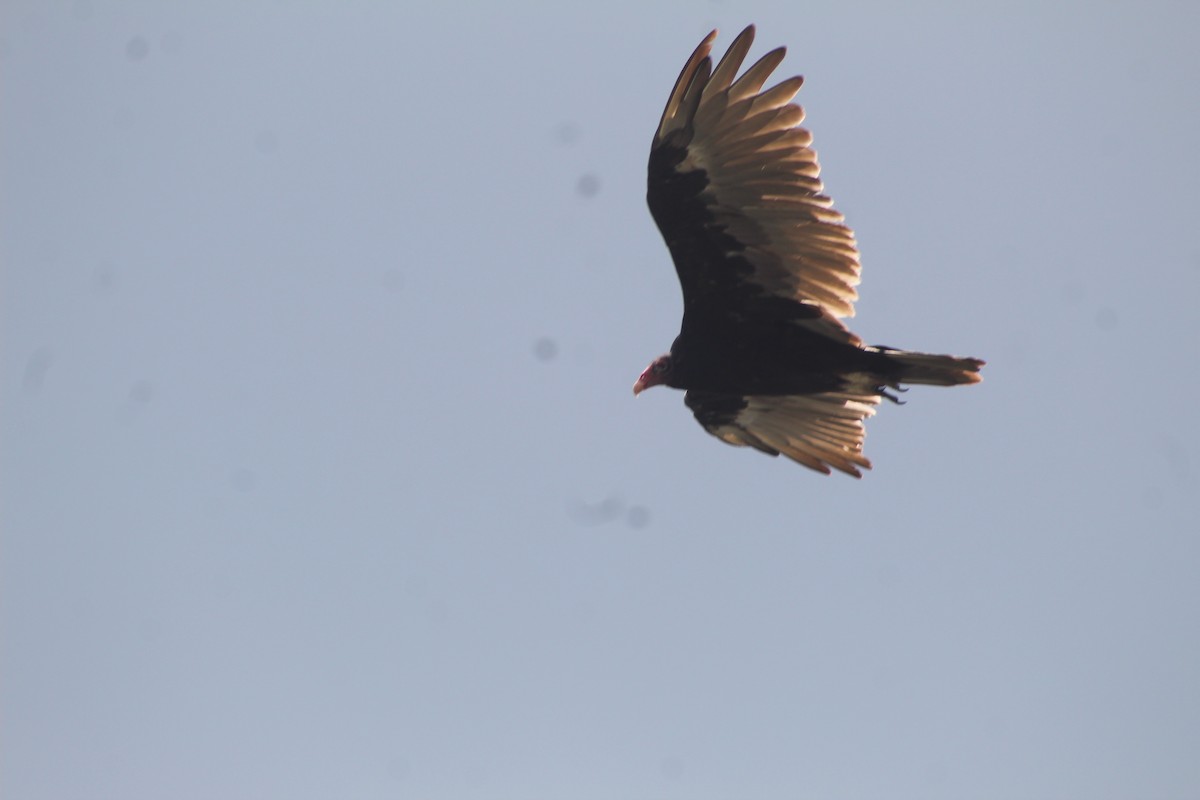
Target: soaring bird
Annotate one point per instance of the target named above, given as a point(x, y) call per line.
point(768, 270)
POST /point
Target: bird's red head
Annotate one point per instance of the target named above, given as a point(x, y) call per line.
point(658, 372)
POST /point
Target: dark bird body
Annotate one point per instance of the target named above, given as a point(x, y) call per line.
point(767, 270)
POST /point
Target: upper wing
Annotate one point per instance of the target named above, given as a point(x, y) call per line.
point(817, 430)
point(734, 190)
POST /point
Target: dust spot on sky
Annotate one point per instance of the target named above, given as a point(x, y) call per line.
point(610, 509)
point(141, 393)
point(599, 513)
point(567, 133)
point(1106, 319)
point(104, 279)
point(637, 517)
point(588, 185)
point(137, 48)
point(36, 368)
point(545, 349)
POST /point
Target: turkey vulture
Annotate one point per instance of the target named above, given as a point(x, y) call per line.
point(768, 270)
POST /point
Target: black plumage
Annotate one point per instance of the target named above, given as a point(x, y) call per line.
point(768, 269)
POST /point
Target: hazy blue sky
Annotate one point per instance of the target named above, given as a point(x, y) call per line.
point(321, 474)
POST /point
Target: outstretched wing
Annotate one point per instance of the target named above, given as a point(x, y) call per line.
point(734, 190)
point(819, 431)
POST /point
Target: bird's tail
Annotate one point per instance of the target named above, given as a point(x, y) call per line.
point(930, 369)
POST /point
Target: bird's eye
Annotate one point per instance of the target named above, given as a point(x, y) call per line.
point(660, 367)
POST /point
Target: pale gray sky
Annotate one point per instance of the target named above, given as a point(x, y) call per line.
point(321, 474)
